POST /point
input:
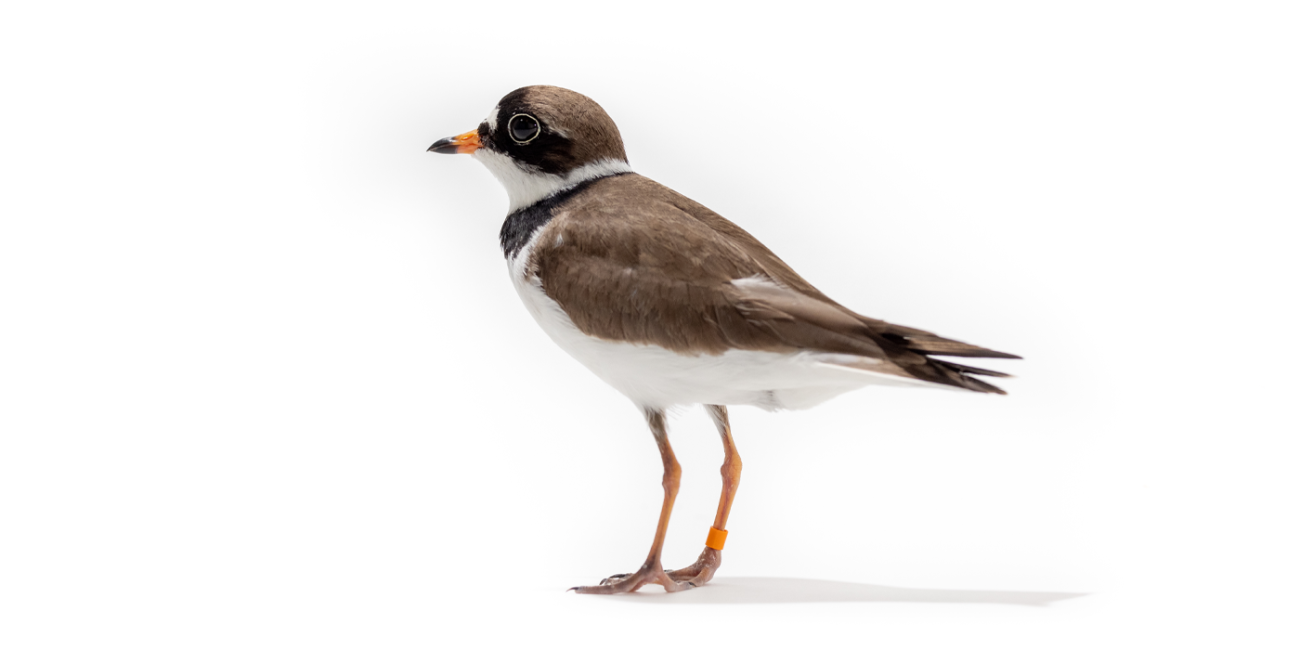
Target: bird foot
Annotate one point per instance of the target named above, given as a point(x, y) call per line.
point(622, 583)
point(702, 570)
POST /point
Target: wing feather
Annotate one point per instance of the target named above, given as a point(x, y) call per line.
point(631, 260)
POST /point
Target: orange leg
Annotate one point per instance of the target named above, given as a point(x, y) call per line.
point(703, 569)
point(652, 571)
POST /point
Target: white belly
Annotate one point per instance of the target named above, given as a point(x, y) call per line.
point(655, 377)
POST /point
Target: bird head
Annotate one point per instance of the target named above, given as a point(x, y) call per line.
point(540, 139)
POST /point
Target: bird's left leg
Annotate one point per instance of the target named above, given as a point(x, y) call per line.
point(702, 570)
point(652, 571)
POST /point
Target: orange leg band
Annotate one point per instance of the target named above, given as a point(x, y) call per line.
point(716, 538)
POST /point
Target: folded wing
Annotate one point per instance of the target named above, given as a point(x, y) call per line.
point(646, 265)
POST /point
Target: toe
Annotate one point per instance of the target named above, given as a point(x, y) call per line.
point(673, 586)
point(617, 577)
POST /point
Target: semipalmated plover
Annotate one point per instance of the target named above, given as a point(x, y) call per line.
point(672, 304)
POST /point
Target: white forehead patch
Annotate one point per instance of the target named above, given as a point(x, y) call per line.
point(492, 119)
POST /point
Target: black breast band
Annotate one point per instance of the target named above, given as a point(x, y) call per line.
point(521, 224)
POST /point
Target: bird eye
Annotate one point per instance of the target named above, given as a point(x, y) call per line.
point(523, 128)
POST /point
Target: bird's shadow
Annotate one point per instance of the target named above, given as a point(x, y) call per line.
point(801, 590)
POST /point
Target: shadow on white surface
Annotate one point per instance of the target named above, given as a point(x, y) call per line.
point(802, 590)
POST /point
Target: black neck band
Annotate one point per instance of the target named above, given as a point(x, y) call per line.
point(522, 223)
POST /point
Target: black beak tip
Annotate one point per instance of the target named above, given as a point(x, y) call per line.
point(444, 145)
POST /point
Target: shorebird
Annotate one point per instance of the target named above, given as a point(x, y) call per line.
point(672, 304)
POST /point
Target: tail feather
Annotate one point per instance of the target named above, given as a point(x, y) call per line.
point(930, 344)
point(951, 374)
point(960, 375)
point(971, 370)
point(919, 343)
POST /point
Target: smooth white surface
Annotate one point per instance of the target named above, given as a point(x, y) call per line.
point(264, 382)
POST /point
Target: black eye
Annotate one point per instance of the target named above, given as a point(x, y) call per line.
point(524, 127)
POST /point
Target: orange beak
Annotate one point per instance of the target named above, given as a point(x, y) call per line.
point(463, 143)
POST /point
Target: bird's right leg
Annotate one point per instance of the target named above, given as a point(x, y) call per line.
point(702, 570)
point(652, 571)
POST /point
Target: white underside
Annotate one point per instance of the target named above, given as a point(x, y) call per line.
point(657, 378)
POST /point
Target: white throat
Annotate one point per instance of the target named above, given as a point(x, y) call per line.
point(526, 187)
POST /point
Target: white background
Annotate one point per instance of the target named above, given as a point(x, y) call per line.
point(264, 382)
